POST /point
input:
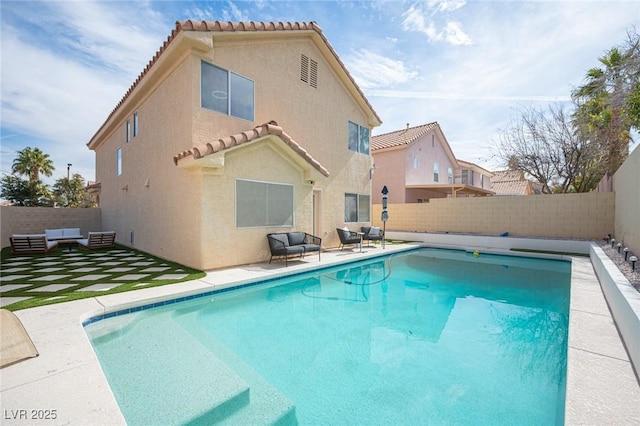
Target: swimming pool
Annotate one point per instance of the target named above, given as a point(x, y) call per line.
point(428, 336)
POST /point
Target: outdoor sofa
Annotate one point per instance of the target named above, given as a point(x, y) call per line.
point(63, 234)
point(285, 244)
point(98, 240)
point(31, 244)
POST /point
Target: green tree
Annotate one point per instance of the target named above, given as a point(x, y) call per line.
point(22, 192)
point(71, 192)
point(608, 103)
point(32, 162)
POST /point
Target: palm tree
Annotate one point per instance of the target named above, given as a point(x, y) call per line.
point(608, 103)
point(32, 162)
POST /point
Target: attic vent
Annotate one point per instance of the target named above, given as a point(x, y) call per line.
point(308, 71)
point(304, 68)
point(314, 74)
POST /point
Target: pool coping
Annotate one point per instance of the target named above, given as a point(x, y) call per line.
point(601, 384)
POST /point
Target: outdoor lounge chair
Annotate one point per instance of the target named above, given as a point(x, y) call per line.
point(98, 240)
point(348, 237)
point(372, 233)
point(31, 244)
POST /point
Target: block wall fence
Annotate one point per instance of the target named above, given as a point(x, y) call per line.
point(34, 220)
point(575, 216)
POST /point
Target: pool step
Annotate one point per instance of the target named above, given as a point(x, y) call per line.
point(152, 368)
point(267, 405)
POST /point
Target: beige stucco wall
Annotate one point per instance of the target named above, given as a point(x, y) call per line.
point(589, 215)
point(626, 184)
point(34, 220)
point(188, 214)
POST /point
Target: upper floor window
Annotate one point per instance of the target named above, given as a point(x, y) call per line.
point(128, 129)
point(226, 92)
point(357, 208)
point(467, 177)
point(436, 171)
point(358, 138)
point(449, 175)
point(135, 124)
point(416, 162)
point(118, 161)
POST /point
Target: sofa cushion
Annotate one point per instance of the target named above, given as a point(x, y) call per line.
point(29, 235)
point(296, 238)
point(279, 238)
point(374, 232)
point(53, 233)
point(70, 232)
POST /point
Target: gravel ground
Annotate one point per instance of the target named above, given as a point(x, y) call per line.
point(624, 266)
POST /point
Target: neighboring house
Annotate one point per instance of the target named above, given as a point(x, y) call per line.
point(233, 131)
point(417, 164)
point(510, 182)
point(474, 176)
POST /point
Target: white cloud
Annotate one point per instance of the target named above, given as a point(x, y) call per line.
point(453, 33)
point(371, 70)
point(445, 6)
point(234, 13)
point(450, 31)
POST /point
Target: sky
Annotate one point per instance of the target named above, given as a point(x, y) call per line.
point(469, 65)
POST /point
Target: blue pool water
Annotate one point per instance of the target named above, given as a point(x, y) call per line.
point(423, 337)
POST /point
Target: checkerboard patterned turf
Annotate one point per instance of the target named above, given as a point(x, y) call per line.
point(34, 280)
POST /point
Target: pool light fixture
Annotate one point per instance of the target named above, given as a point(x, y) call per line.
point(619, 246)
point(626, 252)
point(633, 260)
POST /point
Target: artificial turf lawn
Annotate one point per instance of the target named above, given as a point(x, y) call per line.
point(125, 268)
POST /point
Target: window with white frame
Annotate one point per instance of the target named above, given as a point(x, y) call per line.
point(128, 130)
point(263, 204)
point(135, 124)
point(436, 171)
point(358, 138)
point(118, 161)
point(449, 175)
point(416, 162)
point(226, 92)
point(357, 208)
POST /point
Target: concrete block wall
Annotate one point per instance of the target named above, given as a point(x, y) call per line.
point(626, 184)
point(575, 216)
point(34, 220)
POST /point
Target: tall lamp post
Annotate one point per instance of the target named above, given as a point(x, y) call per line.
point(68, 169)
point(385, 213)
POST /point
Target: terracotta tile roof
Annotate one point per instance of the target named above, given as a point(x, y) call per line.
point(510, 182)
point(520, 187)
point(400, 137)
point(507, 176)
point(228, 26)
point(270, 128)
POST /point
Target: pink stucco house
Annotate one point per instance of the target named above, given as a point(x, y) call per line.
point(417, 164)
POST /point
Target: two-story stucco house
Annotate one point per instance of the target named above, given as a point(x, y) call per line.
point(232, 131)
point(417, 164)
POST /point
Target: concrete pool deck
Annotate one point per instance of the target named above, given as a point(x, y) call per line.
point(67, 385)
